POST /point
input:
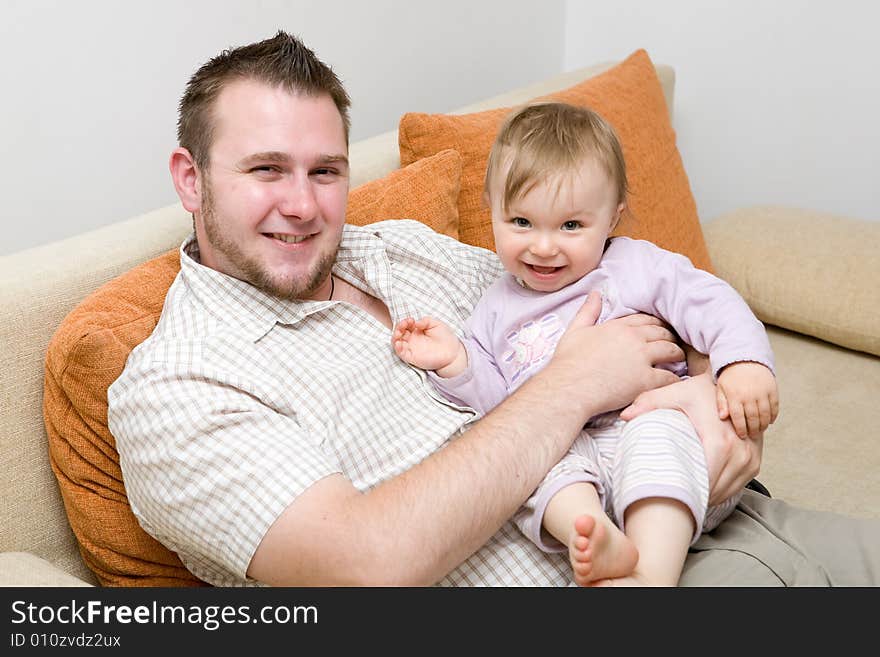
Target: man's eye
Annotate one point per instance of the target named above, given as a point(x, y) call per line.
point(266, 168)
point(521, 222)
point(571, 225)
point(325, 173)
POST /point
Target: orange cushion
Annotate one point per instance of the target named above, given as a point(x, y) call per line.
point(630, 97)
point(88, 352)
point(426, 190)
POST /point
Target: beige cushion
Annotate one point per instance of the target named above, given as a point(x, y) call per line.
point(810, 272)
point(822, 451)
point(23, 569)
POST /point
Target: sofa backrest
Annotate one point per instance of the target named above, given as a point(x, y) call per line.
point(40, 286)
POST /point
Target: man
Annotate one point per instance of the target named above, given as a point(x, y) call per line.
point(266, 430)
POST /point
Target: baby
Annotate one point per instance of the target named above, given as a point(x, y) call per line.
point(629, 497)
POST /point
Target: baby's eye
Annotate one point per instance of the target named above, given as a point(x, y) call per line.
point(571, 225)
point(520, 222)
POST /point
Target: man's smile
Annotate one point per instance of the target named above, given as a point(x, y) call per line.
point(289, 239)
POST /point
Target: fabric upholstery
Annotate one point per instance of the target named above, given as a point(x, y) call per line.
point(28, 570)
point(813, 273)
point(40, 287)
point(426, 190)
point(821, 453)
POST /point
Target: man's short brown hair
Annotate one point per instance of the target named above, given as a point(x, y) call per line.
point(281, 61)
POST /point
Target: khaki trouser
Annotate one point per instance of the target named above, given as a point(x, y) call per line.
point(766, 542)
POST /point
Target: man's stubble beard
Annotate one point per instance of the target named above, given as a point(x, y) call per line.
point(252, 271)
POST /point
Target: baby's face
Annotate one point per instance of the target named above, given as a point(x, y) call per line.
point(555, 234)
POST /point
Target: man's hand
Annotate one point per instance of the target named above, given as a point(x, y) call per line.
point(731, 462)
point(606, 366)
point(747, 394)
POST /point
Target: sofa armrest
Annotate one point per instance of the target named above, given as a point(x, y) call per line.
point(23, 569)
point(806, 271)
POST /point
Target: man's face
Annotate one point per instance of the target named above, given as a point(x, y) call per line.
point(275, 192)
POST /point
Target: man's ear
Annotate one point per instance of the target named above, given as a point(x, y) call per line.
point(186, 178)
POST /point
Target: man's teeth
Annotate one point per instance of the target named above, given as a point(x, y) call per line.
point(290, 239)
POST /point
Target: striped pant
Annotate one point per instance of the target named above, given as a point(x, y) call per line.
point(657, 454)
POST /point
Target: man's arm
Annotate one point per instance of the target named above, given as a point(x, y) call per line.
point(415, 528)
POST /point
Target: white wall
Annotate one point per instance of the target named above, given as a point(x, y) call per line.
point(776, 102)
point(90, 88)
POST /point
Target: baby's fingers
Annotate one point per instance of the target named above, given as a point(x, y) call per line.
point(753, 418)
point(403, 325)
point(721, 400)
point(774, 407)
point(765, 415)
point(738, 418)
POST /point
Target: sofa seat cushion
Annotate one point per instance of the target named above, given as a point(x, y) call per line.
point(629, 96)
point(821, 453)
point(806, 271)
point(88, 352)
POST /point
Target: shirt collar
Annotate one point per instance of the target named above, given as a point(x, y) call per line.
point(254, 311)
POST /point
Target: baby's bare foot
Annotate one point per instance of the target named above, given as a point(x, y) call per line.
point(600, 551)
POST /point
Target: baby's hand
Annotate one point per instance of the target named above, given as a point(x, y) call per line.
point(429, 344)
point(747, 394)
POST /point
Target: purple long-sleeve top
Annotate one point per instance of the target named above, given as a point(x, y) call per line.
point(513, 331)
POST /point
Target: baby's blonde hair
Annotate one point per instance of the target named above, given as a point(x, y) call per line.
point(540, 141)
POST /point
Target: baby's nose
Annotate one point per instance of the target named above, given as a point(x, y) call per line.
point(544, 247)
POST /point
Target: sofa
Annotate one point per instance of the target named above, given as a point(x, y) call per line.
point(813, 278)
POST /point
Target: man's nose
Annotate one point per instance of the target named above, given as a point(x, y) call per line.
point(298, 199)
